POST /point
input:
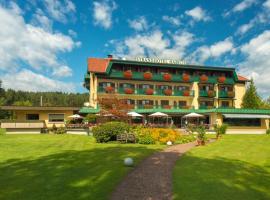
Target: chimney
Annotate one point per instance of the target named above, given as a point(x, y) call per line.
point(110, 56)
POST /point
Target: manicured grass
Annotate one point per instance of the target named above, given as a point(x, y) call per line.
point(63, 166)
point(237, 167)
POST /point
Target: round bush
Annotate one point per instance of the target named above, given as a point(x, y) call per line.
point(108, 131)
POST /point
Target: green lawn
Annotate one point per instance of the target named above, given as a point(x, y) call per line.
point(237, 167)
point(62, 166)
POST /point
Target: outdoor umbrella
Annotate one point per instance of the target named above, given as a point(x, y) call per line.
point(76, 116)
point(190, 115)
point(134, 114)
point(158, 114)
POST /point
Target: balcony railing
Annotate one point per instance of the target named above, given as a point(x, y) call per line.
point(148, 106)
point(174, 77)
point(141, 91)
point(226, 94)
point(209, 93)
point(205, 107)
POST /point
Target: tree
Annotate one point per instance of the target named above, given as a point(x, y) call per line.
point(22, 103)
point(251, 98)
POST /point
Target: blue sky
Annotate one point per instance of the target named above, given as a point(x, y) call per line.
point(45, 43)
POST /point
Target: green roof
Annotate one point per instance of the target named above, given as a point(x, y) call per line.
point(242, 111)
point(87, 110)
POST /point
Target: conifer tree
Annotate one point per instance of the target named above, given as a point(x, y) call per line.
point(251, 98)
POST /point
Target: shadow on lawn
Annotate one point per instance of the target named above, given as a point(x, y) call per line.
point(220, 178)
point(90, 174)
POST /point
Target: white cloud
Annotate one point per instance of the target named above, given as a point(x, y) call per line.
point(40, 19)
point(257, 62)
point(102, 13)
point(60, 10)
point(154, 44)
point(213, 51)
point(198, 14)
point(139, 24)
point(266, 4)
point(245, 27)
point(172, 20)
point(72, 33)
point(243, 5)
point(29, 81)
point(62, 71)
point(31, 44)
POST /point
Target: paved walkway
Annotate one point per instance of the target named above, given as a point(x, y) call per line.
point(152, 178)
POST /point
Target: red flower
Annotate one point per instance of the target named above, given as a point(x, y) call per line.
point(204, 78)
point(186, 77)
point(147, 75)
point(149, 91)
point(128, 90)
point(166, 106)
point(167, 77)
point(109, 89)
point(168, 92)
point(186, 93)
point(210, 93)
point(221, 79)
point(128, 74)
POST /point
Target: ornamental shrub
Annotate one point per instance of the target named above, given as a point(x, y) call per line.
point(268, 131)
point(201, 137)
point(108, 131)
point(60, 130)
point(220, 129)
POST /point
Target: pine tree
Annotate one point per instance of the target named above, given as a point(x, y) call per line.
point(251, 98)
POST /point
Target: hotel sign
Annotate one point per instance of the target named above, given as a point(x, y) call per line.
point(161, 61)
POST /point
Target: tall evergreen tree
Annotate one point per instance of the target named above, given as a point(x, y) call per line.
point(251, 98)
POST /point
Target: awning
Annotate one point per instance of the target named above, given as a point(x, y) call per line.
point(246, 116)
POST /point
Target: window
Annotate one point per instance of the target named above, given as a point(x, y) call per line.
point(182, 103)
point(225, 104)
point(32, 116)
point(164, 102)
point(242, 122)
point(56, 117)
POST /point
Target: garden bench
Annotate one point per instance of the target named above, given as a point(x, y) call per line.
point(126, 137)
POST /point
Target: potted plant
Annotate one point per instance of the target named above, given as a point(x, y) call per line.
point(109, 89)
point(185, 77)
point(128, 91)
point(186, 93)
point(210, 93)
point(203, 78)
point(221, 79)
point(128, 74)
point(149, 91)
point(166, 106)
point(168, 92)
point(167, 77)
point(147, 75)
point(201, 138)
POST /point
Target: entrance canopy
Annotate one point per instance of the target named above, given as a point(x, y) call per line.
point(158, 114)
point(134, 114)
point(76, 116)
point(190, 115)
point(246, 116)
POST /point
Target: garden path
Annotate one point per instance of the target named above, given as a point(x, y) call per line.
point(152, 178)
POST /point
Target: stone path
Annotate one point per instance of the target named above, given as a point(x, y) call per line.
point(152, 178)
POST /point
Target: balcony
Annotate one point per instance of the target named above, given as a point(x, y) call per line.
point(226, 94)
point(167, 107)
point(209, 93)
point(174, 78)
point(205, 107)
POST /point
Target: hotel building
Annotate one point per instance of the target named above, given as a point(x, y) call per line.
point(175, 88)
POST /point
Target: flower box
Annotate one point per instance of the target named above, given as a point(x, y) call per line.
point(168, 92)
point(109, 89)
point(167, 77)
point(147, 75)
point(147, 106)
point(166, 106)
point(149, 91)
point(230, 94)
point(186, 77)
point(128, 91)
point(203, 78)
point(128, 74)
point(221, 79)
point(210, 93)
point(186, 93)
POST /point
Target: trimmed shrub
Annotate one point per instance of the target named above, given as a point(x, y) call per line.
point(60, 130)
point(108, 131)
point(220, 129)
point(268, 131)
point(2, 131)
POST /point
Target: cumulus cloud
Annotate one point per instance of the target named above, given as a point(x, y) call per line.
point(216, 50)
point(27, 80)
point(256, 64)
point(172, 20)
point(198, 14)
point(154, 44)
point(266, 4)
point(62, 71)
point(243, 5)
point(33, 45)
point(102, 13)
point(60, 10)
point(139, 24)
